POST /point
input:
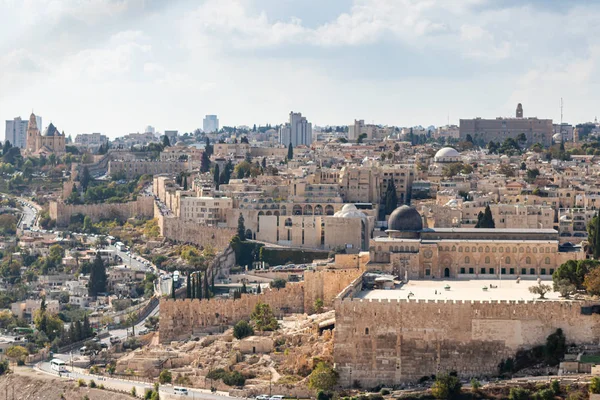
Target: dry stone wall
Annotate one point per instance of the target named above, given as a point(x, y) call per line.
point(390, 342)
point(179, 319)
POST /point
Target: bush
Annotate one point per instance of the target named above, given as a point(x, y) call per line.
point(595, 385)
point(322, 395)
point(384, 392)
point(133, 392)
point(81, 383)
point(545, 394)
point(165, 376)
point(92, 384)
point(242, 329)
point(555, 386)
point(234, 379)
point(475, 385)
point(518, 393)
point(446, 387)
point(148, 394)
point(323, 377)
point(277, 283)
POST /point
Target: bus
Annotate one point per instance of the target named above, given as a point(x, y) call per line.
point(121, 246)
point(22, 331)
point(58, 365)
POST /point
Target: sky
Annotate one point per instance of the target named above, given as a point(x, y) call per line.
point(116, 66)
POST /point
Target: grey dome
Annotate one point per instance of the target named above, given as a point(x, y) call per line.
point(405, 219)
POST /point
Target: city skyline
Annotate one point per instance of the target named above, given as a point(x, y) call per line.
point(388, 62)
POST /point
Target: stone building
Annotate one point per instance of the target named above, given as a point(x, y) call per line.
point(412, 252)
point(51, 141)
point(497, 130)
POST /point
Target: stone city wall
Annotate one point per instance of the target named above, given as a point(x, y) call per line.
point(389, 342)
point(180, 319)
point(326, 285)
point(173, 228)
point(142, 207)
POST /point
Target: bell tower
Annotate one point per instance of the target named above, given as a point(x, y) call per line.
point(32, 134)
point(519, 111)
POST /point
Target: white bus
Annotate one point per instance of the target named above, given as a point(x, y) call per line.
point(181, 391)
point(58, 365)
point(121, 246)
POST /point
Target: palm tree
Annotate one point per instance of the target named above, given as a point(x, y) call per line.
point(131, 320)
point(76, 255)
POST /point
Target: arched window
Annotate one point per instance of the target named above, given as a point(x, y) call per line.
point(467, 260)
point(308, 210)
point(366, 331)
point(528, 260)
point(547, 260)
point(507, 261)
point(487, 260)
point(288, 222)
point(297, 210)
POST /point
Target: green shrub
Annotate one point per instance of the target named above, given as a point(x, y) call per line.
point(518, 393)
point(555, 386)
point(242, 329)
point(446, 387)
point(81, 383)
point(234, 379)
point(165, 376)
point(595, 385)
point(545, 394)
point(92, 384)
point(133, 392)
point(384, 392)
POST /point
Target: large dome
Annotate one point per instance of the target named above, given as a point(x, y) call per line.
point(405, 219)
point(447, 154)
point(349, 211)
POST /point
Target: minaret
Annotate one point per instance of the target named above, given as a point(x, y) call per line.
point(519, 111)
point(32, 134)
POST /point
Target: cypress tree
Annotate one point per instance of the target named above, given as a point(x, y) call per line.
point(173, 289)
point(188, 287)
point(244, 289)
point(391, 198)
point(87, 329)
point(217, 176)
point(199, 286)
point(241, 229)
point(290, 153)
point(597, 237)
point(206, 289)
point(258, 289)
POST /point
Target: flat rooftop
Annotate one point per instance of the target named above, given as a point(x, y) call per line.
point(461, 289)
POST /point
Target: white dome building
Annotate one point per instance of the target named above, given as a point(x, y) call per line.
point(446, 155)
point(349, 211)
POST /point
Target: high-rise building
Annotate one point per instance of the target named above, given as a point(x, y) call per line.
point(150, 129)
point(210, 124)
point(16, 131)
point(297, 131)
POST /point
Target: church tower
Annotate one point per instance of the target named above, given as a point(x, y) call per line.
point(32, 134)
point(519, 111)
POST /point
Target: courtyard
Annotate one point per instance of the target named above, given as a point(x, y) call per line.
point(459, 289)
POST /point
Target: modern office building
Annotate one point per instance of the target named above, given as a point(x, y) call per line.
point(210, 123)
point(16, 131)
point(297, 131)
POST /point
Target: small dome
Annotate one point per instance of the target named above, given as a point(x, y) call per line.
point(557, 137)
point(447, 154)
point(405, 219)
point(349, 211)
point(51, 130)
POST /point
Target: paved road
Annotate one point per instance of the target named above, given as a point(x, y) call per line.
point(121, 384)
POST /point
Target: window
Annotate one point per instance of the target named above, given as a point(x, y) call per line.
point(366, 331)
point(507, 261)
point(528, 260)
point(503, 271)
point(467, 260)
point(471, 270)
point(523, 271)
point(547, 260)
point(551, 271)
point(531, 271)
point(427, 272)
point(487, 260)
point(543, 271)
point(492, 271)
point(482, 271)
point(462, 270)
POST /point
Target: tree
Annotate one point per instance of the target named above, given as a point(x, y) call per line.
point(217, 176)
point(591, 283)
point(263, 163)
point(85, 179)
point(17, 353)
point(541, 290)
point(506, 170)
point(318, 306)
point(87, 224)
point(242, 329)
point(263, 317)
point(446, 387)
point(519, 393)
point(6, 147)
point(173, 294)
point(132, 318)
point(565, 288)
point(360, 138)
point(595, 385)
point(396, 147)
point(485, 219)
point(97, 283)
point(166, 142)
point(555, 347)
point(206, 288)
point(165, 376)
point(290, 154)
point(323, 377)
point(241, 228)
point(277, 283)
point(205, 162)
point(188, 287)
point(391, 198)
point(573, 272)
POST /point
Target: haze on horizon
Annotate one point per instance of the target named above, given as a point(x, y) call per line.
point(115, 66)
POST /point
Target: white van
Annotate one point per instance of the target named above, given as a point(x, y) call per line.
point(180, 391)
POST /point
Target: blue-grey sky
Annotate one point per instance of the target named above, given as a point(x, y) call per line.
point(115, 66)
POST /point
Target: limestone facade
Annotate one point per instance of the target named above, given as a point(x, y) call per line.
point(142, 207)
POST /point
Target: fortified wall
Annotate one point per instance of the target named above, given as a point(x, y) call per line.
point(61, 212)
point(176, 229)
point(393, 341)
point(326, 285)
point(179, 319)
